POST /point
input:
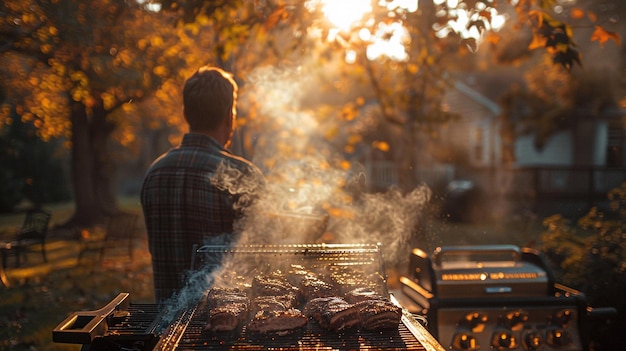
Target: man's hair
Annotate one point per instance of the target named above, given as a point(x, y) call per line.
point(209, 97)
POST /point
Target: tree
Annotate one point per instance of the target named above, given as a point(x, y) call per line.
point(31, 168)
point(437, 39)
point(78, 69)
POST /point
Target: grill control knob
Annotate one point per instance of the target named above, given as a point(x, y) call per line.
point(464, 341)
point(563, 317)
point(504, 340)
point(558, 338)
point(533, 340)
point(474, 321)
point(516, 319)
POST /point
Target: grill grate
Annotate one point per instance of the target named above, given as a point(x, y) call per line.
point(144, 327)
point(141, 319)
point(310, 338)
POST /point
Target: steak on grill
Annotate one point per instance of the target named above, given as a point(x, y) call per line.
point(362, 294)
point(273, 317)
point(228, 308)
point(273, 284)
point(332, 313)
point(349, 278)
point(312, 287)
point(270, 302)
point(218, 296)
point(378, 314)
point(274, 303)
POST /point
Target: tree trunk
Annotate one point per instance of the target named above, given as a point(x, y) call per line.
point(91, 167)
point(104, 165)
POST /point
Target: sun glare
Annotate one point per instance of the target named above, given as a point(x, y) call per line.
point(345, 13)
point(389, 39)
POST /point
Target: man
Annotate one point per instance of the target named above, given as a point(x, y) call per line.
point(198, 190)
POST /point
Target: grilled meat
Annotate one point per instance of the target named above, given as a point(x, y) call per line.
point(332, 313)
point(362, 294)
point(228, 277)
point(226, 318)
point(312, 287)
point(228, 308)
point(378, 314)
point(281, 302)
point(297, 273)
point(275, 315)
point(277, 322)
point(273, 284)
point(349, 278)
point(274, 304)
point(222, 296)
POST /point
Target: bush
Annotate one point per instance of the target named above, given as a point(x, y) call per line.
point(591, 258)
point(31, 168)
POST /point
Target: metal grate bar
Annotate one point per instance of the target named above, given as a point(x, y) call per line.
point(141, 320)
point(311, 338)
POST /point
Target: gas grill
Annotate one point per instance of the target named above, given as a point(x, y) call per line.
point(122, 325)
point(497, 297)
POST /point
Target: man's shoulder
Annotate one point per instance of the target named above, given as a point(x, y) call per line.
point(242, 165)
point(208, 159)
point(235, 160)
point(187, 157)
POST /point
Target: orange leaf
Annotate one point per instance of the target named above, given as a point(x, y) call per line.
point(538, 42)
point(492, 38)
point(486, 14)
point(381, 145)
point(345, 165)
point(602, 35)
point(578, 13)
point(538, 16)
point(274, 18)
point(592, 16)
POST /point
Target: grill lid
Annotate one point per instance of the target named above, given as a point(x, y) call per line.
point(480, 272)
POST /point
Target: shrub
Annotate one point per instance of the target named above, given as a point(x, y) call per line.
point(31, 168)
point(591, 257)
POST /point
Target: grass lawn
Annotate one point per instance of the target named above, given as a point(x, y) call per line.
point(42, 295)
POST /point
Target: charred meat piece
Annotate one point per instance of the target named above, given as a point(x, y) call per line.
point(226, 318)
point(275, 315)
point(297, 273)
point(273, 284)
point(313, 287)
point(378, 314)
point(362, 294)
point(270, 302)
point(230, 278)
point(277, 322)
point(350, 278)
point(228, 308)
point(333, 313)
point(222, 296)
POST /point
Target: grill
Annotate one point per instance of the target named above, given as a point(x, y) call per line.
point(122, 325)
point(496, 297)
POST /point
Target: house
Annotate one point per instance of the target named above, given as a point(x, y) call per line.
point(573, 170)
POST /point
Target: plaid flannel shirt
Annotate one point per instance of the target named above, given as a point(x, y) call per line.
point(184, 204)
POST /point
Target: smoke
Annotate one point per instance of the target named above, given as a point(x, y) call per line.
point(197, 283)
point(311, 196)
point(389, 218)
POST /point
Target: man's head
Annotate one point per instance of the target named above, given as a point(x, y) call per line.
point(209, 102)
